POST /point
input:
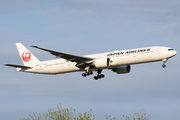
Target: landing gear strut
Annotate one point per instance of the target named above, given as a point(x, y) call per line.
point(164, 61)
point(99, 75)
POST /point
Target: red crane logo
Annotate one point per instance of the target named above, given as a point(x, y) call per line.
point(26, 56)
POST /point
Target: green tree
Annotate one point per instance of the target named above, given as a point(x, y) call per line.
point(141, 115)
point(59, 113)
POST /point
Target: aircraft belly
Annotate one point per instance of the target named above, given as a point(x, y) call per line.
point(52, 69)
point(41, 70)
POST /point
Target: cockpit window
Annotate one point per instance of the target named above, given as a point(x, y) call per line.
point(170, 49)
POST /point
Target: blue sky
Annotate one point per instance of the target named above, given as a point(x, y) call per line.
point(86, 27)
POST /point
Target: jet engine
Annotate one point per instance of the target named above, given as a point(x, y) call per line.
point(101, 62)
point(122, 69)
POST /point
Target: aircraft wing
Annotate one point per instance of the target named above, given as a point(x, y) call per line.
point(17, 66)
point(68, 57)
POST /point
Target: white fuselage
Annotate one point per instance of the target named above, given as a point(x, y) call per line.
point(117, 58)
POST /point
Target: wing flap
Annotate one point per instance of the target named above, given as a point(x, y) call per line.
point(68, 57)
point(17, 66)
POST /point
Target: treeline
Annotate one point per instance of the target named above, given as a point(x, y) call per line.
point(60, 113)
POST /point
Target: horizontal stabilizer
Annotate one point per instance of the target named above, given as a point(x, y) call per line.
point(17, 66)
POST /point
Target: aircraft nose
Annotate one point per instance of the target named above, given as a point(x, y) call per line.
point(175, 52)
point(172, 53)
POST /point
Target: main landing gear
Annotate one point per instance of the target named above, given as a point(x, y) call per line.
point(87, 73)
point(164, 61)
point(99, 75)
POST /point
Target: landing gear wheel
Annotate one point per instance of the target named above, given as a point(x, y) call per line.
point(95, 77)
point(83, 74)
point(102, 76)
point(99, 76)
point(90, 72)
point(163, 65)
point(87, 73)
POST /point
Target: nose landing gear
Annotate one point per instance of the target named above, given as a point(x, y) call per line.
point(164, 61)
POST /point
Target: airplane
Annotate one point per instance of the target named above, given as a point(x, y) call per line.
point(117, 61)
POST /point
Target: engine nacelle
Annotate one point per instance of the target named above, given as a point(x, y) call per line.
point(122, 69)
point(101, 62)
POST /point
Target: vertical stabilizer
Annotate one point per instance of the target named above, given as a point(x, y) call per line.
point(27, 57)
